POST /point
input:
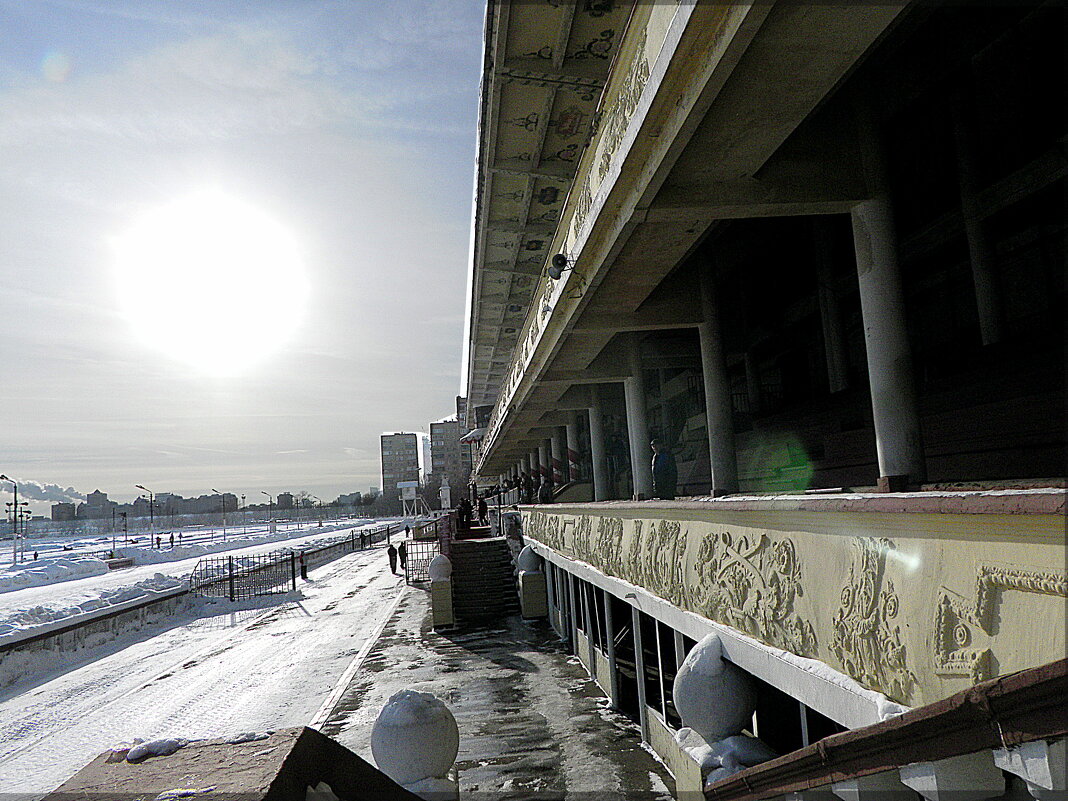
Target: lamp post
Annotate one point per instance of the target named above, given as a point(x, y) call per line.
point(320, 514)
point(270, 509)
point(14, 520)
point(222, 500)
point(125, 529)
point(151, 514)
point(244, 516)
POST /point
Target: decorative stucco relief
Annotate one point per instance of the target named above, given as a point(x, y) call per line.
point(866, 640)
point(960, 625)
point(751, 583)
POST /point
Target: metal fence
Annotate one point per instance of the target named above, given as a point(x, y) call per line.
point(419, 553)
point(239, 577)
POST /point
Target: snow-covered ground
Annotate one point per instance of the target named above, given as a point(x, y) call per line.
point(47, 594)
point(224, 672)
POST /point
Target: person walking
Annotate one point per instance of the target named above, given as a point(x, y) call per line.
point(391, 551)
point(402, 553)
point(483, 510)
point(172, 540)
point(665, 472)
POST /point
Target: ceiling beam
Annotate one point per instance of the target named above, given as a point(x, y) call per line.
point(557, 171)
point(752, 197)
point(524, 228)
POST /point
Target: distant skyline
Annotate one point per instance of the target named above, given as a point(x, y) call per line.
point(137, 349)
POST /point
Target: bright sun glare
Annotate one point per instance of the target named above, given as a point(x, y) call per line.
point(211, 280)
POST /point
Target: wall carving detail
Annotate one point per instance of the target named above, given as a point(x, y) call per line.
point(751, 584)
point(866, 640)
point(958, 624)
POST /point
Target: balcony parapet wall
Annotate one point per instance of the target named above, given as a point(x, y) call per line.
point(917, 600)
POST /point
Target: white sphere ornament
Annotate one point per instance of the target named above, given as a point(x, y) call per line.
point(414, 738)
point(529, 561)
point(440, 568)
point(713, 697)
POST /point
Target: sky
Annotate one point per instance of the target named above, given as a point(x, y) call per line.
point(234, 239)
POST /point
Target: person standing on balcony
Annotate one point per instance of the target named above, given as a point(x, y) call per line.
point(545, 491)
point(665, 472)
point(483, 510)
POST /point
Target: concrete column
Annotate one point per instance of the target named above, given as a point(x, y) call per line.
point(572, 613)
point(535, 468)
point(572, 432)
point(641, 455)
point(610, 631)
point(639, 667)
point(752, 383)
point(882, 305)
point(543, 460)
point(556, 446)
point(984, 276)
point(598, 457)
point(834, 345)
point(719, 413)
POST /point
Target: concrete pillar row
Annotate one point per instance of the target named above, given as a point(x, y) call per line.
point(598, 457)
point(572, 434)
point(834, 340)
point(882, 305)
point(980, 251)
point(719, 412)
point(556, 448)
point(641, 456)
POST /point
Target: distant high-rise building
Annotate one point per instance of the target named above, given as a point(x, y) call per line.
point(400, 461)
point(285, 500)
point(447, 454)
point(63, 511)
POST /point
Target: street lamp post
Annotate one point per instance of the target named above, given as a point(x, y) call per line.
point(244, 516)
point(14, 520)
point(125, 529)
point(222, 500)
point(270, 509)
point(151, 514)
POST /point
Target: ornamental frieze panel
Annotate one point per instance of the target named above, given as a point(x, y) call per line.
point(964, 631)
point(867, 636)
point(752, 583)
point(914, 617)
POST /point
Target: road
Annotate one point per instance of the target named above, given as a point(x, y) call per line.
point(208, 676)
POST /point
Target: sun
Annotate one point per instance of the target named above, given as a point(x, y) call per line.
point(210, 280)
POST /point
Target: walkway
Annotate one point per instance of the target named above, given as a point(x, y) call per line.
point(531, 722)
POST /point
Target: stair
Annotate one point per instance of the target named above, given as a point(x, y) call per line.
point(483, 580)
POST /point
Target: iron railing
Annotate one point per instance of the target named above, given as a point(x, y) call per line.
point(240, 577)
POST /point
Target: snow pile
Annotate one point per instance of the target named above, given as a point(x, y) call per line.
point(722, 758)
point(27, 621)
point(162, 747)
point(249, 737)
point(49, 571)
point(414, 741)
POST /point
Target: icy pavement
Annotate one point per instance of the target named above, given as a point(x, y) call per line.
point(22, 608)
point(532, 724)
point(213, 675)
